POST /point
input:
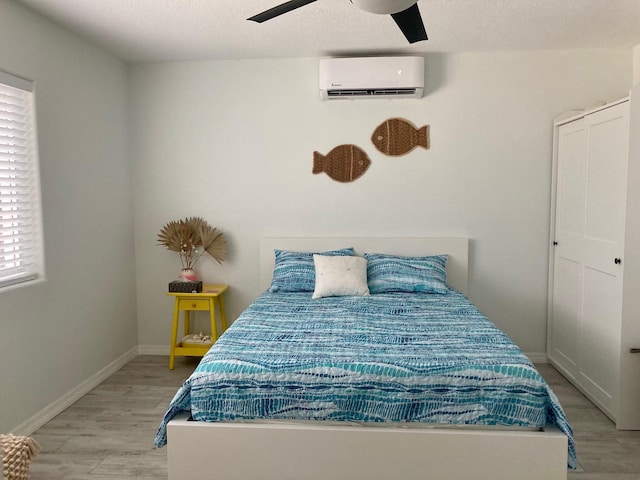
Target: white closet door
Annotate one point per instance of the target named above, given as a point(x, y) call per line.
point(586, 308)
point(629, 401)
point(569, 237)
point(602, 267)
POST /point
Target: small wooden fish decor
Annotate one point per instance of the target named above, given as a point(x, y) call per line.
point(345, 163)
point(397, 136)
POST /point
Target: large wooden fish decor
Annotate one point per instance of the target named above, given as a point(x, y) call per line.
point(397, 136)
point(345, 163)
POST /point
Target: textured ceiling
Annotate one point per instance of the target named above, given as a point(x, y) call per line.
point(165, 30)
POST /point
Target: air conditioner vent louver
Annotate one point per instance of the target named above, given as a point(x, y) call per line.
point(371, 77)
point(388, 92)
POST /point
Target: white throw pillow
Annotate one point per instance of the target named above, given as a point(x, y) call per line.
point(340, 276)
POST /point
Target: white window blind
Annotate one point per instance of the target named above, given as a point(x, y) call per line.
point(21, 245)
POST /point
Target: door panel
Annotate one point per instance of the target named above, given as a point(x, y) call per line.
point(566, 307)
point(572, 174)
point(607, 176)
point(600, 336)
point(605, 209)
point(569, 235)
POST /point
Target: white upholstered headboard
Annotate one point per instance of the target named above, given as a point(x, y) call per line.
point(456, 248)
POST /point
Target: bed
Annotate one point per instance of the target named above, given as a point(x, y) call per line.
point(397, 384)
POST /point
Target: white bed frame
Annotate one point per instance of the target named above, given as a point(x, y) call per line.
point(279, 451)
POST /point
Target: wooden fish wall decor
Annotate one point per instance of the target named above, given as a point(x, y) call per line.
point(397, 136)
point(344, 163)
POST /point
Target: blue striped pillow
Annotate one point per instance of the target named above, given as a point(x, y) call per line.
point(392, 273)
point(295, 271)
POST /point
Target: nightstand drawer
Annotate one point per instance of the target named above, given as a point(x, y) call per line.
point(193, 304)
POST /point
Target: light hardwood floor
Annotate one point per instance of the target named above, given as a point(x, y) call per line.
point(108, 434)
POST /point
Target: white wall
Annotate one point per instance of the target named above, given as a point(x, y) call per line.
point(57, 334)
point(232, 141)
point(636, 65)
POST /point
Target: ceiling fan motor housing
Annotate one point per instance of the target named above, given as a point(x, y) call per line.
point(385, 7)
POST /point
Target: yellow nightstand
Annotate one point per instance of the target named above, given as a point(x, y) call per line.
point(208, 299)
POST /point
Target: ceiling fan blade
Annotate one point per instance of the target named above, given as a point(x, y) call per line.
point(279, 10)
point(410, 22)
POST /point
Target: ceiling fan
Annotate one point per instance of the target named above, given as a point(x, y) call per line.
point(404, 12)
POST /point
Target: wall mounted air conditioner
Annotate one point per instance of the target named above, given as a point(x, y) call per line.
point(371, 77)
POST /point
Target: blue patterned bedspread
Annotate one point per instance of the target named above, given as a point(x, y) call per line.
point(383, 358)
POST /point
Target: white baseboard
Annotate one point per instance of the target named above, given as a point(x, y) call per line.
point(537, 357)
point(69, 398)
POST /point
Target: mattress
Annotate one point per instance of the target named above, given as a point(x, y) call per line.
point(383, 359)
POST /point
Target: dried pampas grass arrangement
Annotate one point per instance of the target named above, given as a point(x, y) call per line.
point(191, 238)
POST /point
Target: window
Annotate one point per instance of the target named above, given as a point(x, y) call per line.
point(21, 245)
